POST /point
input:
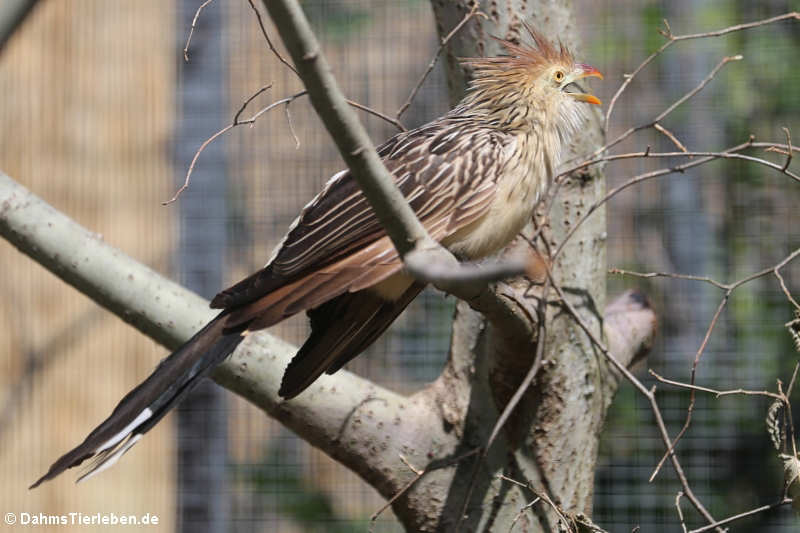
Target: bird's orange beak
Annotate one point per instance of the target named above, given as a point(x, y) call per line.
point(585, 71)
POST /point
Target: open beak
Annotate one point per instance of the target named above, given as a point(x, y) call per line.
point(585, 71)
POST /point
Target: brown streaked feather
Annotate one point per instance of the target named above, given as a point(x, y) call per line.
point(447, 170)
point(363, 268)
point(341, 329)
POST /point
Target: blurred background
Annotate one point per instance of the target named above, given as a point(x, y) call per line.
point(101, 117)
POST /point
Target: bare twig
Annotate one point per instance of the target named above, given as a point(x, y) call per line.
point(472, 12)
point(252, 120)
point(788, 404)
point(669, 135)
point(543, 496)
point(661, 116)
point(777, 272)
point(729, 288)
point(247, 102)
point(236, 122)
point(12, 14)
point(521, 512)
point(393, 121)
point(672, 39)
point(291, 126)
point(703, 157)
point(411, 467)
point(678, 509)
point(418, 474)
point(718, 393)
point(268, 40)
point(191, 30)
point(739, 516)
point(667, 275)
point(788, 148)
point(731, 153)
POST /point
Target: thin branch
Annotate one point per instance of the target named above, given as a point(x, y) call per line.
point(418, 474)
point(472, 12)
point(667, 275)
point(194, 161)
point(729, 288)
point(268, 40)
point(672, 39)
point(692, 398)
point(521, 512)
point(250, 98)
point(394, 122)
point(788, 148)
point(739, 516)
point(291, 126)
point(191, 30)
point(661, 116)
point(671, 136)
point(237, 121)
point(378, 186)
point(788, 405)
point(678, 509)
point(731, 153)
point(705, 157)
point(12, 14)
point(717, 393)
point(543, 496)
point(784, 288)
point(699, 87)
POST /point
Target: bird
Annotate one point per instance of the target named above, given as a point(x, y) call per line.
point(473, 177)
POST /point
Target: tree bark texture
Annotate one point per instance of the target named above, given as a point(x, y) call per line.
point(550, 441)
point(552, 436)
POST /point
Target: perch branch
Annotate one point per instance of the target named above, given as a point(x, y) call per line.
point(171, 314)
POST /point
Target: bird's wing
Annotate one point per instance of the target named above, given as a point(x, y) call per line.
point(448, 173)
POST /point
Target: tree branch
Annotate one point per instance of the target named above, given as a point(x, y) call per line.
point(171, 314)
point(12, 14)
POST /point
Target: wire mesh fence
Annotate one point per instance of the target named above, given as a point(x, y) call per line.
point(92, 93)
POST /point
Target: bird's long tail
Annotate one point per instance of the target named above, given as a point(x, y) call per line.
point(144, 406)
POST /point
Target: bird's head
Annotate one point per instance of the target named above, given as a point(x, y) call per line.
point(536, 84)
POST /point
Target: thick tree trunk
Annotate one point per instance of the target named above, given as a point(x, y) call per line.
point(551, 438)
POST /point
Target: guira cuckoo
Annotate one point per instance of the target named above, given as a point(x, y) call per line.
point(473, 177)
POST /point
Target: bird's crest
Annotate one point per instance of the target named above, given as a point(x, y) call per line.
point(521, 59)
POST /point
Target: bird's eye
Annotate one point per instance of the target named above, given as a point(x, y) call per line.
point(558, 76)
